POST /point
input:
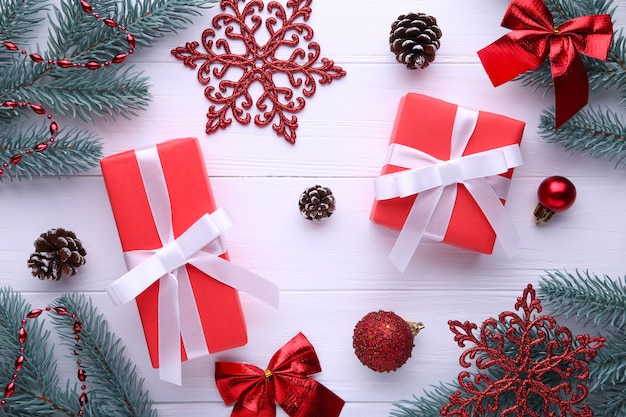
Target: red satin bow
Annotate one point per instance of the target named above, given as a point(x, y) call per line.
point(285, 381)
point(533, 36)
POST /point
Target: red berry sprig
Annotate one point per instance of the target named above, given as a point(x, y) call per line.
point(62, 63)
point(22, 335)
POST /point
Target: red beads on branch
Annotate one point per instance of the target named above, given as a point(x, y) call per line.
point(555, 194)
point(63, 63)
point(10, 388)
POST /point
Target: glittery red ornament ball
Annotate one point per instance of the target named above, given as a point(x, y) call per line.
point(383, 341)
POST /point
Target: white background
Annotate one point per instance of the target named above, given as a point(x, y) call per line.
point(333, 273)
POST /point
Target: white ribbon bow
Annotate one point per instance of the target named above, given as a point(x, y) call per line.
point(435, 182)
point(201, 246)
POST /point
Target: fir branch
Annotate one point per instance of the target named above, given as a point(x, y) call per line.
point(610, 402)
point(79, 146)
point(18, 20)
point(92, 95)
point(609, 368)
point(76, 92)
point(37, 391)
point(429, 405)
point(156, 18)
point(591, 132)
point(116, 391)
point(586, 297)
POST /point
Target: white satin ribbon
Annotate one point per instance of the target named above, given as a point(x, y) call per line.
point(200, 245)
point(435, 182)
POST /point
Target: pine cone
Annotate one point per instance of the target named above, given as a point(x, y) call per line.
point(317, 203)
point(57, 252)
point(414, 38)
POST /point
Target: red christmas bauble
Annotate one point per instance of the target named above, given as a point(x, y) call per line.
point(555, 194)
point(383, 341)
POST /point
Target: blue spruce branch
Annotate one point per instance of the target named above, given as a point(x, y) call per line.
point(113, 388)
point(117, 90)
point(74, 151)
point(586, 297)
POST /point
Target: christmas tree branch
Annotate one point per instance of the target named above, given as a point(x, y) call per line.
point(105, 93)
point(18, 19)
point(115, 388)
point(586, 297)
point(37, 392)
point(429, 405)
point(76, 145)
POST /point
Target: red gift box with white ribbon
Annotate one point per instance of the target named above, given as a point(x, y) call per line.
point(446, 177)
point(171, 233)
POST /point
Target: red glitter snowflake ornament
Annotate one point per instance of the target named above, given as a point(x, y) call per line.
point(254, 63)
point(529, 360)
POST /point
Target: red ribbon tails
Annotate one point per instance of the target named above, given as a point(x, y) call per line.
point(535, 37)
point(285, 381)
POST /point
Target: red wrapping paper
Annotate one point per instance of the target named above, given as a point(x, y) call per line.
point(190, 196)
point(425, 123)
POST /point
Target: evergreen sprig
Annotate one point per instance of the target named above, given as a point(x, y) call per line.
point(593, 131)
point(586, 297)
point(76, 145)
point(117, 90)
point(601, 300)
point(113, 388)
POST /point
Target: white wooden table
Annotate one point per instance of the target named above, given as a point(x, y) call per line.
point(333, 273)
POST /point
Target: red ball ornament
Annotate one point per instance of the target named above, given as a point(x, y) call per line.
point(555, 194)
point(383, 341)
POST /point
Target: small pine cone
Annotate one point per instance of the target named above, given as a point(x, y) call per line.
point(317, 203)
point(57, 252)
point(414, 38)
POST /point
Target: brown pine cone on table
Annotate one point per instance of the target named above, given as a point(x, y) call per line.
point(414, 38)
point(57, 252)
point(317, 203)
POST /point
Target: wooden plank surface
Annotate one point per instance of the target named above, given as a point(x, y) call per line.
point(333, 273)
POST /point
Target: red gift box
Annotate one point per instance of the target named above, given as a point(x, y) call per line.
point(190, 197)
point(426, 124)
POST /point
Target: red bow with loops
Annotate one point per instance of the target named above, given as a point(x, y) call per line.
point(286, 382)
point(534, 36)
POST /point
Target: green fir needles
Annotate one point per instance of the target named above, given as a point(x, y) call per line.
point(117, 90)
point(113, 388)
point(594, 131)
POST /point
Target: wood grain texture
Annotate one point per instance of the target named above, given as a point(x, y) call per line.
point(330, 274)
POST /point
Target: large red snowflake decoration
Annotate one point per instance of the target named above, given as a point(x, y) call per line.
point(531, 360)
point(257, 63)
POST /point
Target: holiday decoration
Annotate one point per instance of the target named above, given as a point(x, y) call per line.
point(107, 382)
point(57, 252)
point(555, 194)
point(596, 130)
point(527, 365)
point(317, 203)
point(78, 75)
point(601, 301)
point(280, 55)
point(383, 341)
point(171, 234)
point(414, 39)
point(534, 36)
point(286, 381)
point(22, 336)
point(446, 176)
